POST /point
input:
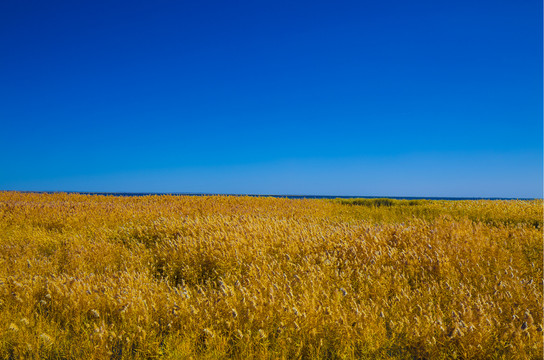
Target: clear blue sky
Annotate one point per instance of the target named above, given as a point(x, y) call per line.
point(378, 98)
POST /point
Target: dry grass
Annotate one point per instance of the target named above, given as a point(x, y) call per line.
point(237, 277)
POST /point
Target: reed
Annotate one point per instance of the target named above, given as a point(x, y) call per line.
point(179, 277)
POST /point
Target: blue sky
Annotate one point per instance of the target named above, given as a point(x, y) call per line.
point(392, 98)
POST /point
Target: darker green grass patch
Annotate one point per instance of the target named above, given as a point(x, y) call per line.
point(382, 202)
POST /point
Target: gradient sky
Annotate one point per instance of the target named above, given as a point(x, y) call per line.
point(370, 98)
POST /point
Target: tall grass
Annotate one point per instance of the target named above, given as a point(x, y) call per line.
point(240, 277)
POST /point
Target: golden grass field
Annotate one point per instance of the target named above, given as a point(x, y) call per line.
point(178, 277)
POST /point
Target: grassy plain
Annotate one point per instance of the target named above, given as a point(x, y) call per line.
point(173, 277)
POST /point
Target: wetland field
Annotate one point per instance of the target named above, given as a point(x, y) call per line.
point(215, 277)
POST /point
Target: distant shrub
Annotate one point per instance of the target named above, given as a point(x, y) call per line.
point(382, 202)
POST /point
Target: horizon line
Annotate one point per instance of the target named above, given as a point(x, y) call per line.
point(291, 196)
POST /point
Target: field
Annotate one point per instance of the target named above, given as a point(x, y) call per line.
point(177, 277)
